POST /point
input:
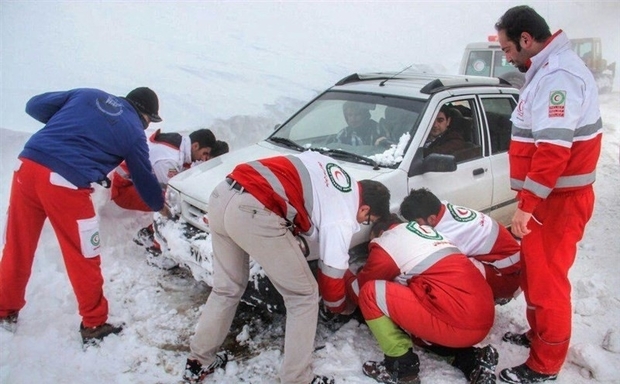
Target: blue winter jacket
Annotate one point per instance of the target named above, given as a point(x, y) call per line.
point(87, 134)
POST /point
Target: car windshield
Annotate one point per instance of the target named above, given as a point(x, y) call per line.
point(364, 128)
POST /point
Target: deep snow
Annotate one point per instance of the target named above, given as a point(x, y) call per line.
point(246, 78)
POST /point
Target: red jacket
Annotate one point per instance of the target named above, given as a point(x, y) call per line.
point(557, 126)
point(444, 280)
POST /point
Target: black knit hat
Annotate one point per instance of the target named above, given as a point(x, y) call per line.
point(145, 100)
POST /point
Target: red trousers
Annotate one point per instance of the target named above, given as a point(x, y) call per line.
point(503, 285)
point(409, 312)
point(124, 193)
point(504, 275)
point(547, 254)
point(37, 194)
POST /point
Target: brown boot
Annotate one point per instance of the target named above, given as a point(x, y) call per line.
point(94, 335)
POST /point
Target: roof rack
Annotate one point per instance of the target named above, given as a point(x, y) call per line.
point(443, 84)
point(357, 77)
point(437, 82)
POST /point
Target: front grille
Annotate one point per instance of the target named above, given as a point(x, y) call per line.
point(195, 216)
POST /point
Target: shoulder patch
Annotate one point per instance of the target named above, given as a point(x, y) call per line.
point(557, 103)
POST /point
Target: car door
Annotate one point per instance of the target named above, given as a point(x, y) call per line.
point(471, 184)
point(496, 112)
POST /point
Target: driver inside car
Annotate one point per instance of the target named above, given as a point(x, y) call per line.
point(360, 129)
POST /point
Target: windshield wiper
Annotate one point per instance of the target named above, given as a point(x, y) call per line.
point(339, 153)
point(288, 142)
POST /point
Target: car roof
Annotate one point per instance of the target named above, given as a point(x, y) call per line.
point(412, 84)
point(483, 45)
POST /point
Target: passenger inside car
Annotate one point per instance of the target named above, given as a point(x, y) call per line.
point(444, 137)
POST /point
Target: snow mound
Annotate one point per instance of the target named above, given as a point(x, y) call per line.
point(595, 362)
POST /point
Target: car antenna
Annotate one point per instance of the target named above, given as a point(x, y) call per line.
point(393, 76)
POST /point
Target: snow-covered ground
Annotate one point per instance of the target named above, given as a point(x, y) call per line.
point(240, 69)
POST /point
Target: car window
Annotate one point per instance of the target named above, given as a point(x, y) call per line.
point(455, 131)
point(367, 125)
point(497, 112)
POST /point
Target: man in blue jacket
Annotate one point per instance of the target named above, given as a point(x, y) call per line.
point(87, 134)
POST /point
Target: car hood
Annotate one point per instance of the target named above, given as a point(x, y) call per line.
point(197, 183)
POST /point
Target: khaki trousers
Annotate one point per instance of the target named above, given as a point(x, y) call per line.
point(241, 226)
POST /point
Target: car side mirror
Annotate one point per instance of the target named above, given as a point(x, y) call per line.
point(434, 162)
point(275, 127)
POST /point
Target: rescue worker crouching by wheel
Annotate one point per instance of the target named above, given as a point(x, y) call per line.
point(487, 243)
point(417, 287)
point(169, 154)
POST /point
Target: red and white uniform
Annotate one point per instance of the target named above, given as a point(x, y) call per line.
point(488, 244)
point(320, 199)
point(556, 142)
point(169, 154)
point(254, 213)
point(425, 285)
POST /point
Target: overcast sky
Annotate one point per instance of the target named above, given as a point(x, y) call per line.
point(94, 44)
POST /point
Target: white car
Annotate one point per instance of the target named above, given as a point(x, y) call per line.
point(403, 107)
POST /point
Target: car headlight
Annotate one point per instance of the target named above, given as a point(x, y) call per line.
point(173, 201)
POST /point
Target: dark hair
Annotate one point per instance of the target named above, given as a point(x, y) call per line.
point(420, 204)
point(384, 224)
point(219, 148)
point(204, 138)
point(376, 196)
point(521, 19)
point(447, 110)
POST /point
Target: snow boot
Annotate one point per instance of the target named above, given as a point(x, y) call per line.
point(522, 374)
point(9, 322)
point(520, 339)
point(503, 300)
point(145, 237)
point(394, 370)
point(94, 335)
point(484, 370)
point(196, 372)
point(322, 380)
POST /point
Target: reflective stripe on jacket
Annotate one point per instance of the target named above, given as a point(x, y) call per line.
point(319, 197)
point(557, 126)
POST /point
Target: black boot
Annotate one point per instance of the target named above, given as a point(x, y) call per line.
point(196, 372)
point(517, 339)
point(394, 370)
point(477, 364)
point(484, 370)
point(522, 374)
